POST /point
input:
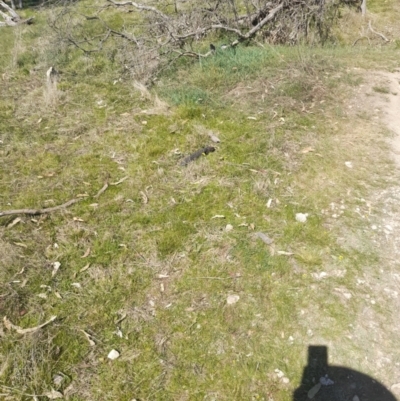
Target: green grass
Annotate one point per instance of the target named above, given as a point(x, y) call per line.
point(160, 261)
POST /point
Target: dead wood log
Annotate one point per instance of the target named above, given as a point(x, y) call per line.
point(10, 17)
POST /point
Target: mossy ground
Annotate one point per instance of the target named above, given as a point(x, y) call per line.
point(160, 265)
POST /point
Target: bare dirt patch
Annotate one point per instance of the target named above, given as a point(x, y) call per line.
point(376, 331)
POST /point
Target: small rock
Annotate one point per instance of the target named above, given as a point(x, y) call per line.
point(355, 398)
point(301, 217)
point(326, 381)
point(113, 354)
point(229, 227)
point(349, 164)
point(395, 388)
point(57, 380)
point(232, 299)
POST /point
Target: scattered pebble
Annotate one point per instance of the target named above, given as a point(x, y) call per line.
point(301, 217)
point(229, 227)
point(349, 164)
point(57, 380)
point(113, 354)
point(326, 381)
point(232, 299)
point(319, 276)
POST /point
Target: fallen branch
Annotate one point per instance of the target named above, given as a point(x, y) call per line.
point(10, 17)
point(9, 326)
point(377, 33)
point(102, 190)
point(382, 36)
point(34, 212)
point(140, 7)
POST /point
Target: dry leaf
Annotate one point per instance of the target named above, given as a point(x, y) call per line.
point(84, 268)
point(265, 238)
point(56, 266)
point(82, 195)
point(20, 244)
point(284, 253)
point(308, 149)
point(78, 219)
point(53, 394)
point(89, 338)
point(213, 137)
point(20, 330)
point(145, 198)
point(120, 181)
point(218, 216)
point(314, 390)
point(86, 254)
point(14, 222)
point(57, 294)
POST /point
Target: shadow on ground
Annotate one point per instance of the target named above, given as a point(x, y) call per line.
point(322, 382)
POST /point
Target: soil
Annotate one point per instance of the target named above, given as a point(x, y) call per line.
point(376, 331)
point(365, 366)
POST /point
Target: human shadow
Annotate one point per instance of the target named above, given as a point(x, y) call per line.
point(323, 382)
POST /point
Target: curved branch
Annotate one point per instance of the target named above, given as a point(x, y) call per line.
point(140, 7)
point(34, 212)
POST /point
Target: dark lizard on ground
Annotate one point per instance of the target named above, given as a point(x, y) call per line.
point(195, 155)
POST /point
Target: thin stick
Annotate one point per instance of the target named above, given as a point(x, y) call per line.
point(102, 190)
point(377, 33)
point(34, 212)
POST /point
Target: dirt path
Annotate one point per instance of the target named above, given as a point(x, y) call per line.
point(377, 329)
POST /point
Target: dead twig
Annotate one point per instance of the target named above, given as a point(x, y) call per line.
point(370, 28)
point(35, 212)
point(377, 33)
point(20, 330)
point(102, 190)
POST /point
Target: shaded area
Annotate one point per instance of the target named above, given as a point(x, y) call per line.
point(322, 382)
